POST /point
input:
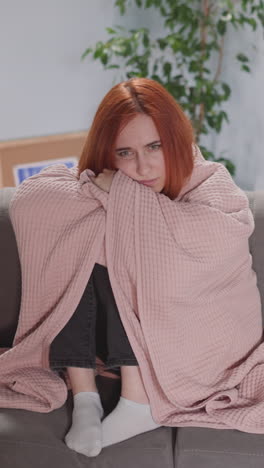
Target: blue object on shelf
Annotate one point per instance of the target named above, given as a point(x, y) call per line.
point(27, 170)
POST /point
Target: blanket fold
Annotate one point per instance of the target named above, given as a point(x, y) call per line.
point(182, 277)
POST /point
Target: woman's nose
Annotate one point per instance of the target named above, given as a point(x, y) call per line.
point(143, 166)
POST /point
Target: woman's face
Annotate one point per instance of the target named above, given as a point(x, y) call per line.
point(138, 152)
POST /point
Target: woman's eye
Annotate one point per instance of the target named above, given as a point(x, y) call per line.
point(155, 147)
point(125, 153)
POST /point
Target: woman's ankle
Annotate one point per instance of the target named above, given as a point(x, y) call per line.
point(132, 385)
point(143, 399)
point(82, 380)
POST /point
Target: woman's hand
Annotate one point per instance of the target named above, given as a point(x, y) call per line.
point(104, 179)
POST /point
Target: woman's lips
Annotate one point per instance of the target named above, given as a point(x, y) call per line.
point(150, 182)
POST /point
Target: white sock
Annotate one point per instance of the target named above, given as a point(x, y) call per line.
point(127, 420)
point(85, 434)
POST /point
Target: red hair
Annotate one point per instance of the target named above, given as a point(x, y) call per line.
point(120, 105)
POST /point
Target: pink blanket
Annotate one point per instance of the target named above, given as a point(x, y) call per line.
point(182, 277)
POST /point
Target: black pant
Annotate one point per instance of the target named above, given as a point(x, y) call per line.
point(95, 329)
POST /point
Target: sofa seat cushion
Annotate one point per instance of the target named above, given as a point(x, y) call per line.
point(31, 439)
point(198, 447)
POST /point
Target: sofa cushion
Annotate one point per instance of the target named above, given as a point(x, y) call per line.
point(198, 447)
point(31, 439)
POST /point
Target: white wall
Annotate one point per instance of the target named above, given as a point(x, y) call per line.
point(45, 88)
point(243, 138)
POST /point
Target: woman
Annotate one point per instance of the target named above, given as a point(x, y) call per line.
point(188, 342)
point(133, 130)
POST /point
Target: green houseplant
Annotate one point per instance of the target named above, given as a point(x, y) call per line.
point(181, 60)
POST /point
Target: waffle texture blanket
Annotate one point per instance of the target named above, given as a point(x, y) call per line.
point(182, 277)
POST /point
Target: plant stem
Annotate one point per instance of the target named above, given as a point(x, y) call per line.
point(220, 59)
point(203, 33)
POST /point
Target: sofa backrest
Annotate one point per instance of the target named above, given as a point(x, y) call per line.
point(10, 273)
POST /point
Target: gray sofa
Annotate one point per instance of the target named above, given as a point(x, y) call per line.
point(30, 439)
